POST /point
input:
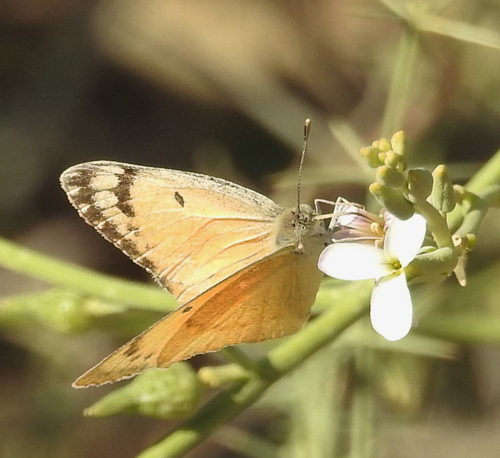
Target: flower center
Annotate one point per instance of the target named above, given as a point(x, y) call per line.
point(377, 229)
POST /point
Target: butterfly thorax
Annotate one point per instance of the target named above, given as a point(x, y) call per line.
point(300, 229)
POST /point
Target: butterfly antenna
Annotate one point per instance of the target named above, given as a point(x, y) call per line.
point(307, 129)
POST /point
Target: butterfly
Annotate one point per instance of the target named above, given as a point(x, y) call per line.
point(243, 268)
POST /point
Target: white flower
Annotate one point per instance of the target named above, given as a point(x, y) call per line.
point(391, 308)
point(353, 222)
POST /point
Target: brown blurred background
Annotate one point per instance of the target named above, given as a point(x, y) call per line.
point(221, 88)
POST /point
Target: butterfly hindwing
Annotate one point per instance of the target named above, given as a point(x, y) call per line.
point(256, 304)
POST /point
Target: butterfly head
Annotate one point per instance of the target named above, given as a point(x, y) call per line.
point(298, 227)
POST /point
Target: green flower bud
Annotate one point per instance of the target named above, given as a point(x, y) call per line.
point(400, 146)
point(390, 177)
point(222, 376)
point(384, 144)
point(393, 200)
point(370, 155)
point(393, 160)
point(419, 184)
point(64, 311)
point(167, 394)
point(60, 310)
point(443, 195)
point(435, 262)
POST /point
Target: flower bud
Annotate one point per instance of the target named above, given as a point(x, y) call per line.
point(167, 394)
point(222, 376)
point(393, 160)
point(443, 195)
point(384, 144)
point(400, 146)
point(438, 261)
point(420, 184)
point(393, 200)
point(370, 155)
point(390, 177)
point(64, 311)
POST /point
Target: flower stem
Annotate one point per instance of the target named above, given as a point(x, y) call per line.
point(487, 176)
point(436, 224)
point(279, 362)
point(84, 281)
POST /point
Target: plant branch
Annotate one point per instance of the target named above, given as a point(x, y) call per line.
point(81, 280)
point(279, 362)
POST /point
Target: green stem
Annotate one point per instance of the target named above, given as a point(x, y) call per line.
point(435, 224)
point(399, 90)
point(240, 358)
point(279, 362)
point(84, 281)
point(487, 176)
point(245, 443)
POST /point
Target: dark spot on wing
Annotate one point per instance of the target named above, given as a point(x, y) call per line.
point(129, 246)
point(80, 179)
point(122, 192)
point(133, 347)
point(187, 309)
point(109, 231)
point(82, 197)
point(93, 215)
point(148, 264)
point(179, 199)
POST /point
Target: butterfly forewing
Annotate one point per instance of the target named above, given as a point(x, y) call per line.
point(190, 231)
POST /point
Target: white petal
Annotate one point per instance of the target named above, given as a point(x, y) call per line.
point(404, 239)
point(391, 309)
point(346, 213)
point(353, 261)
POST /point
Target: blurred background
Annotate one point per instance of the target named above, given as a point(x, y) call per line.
point(223, 88)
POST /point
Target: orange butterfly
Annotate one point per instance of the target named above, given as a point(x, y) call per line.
point(243, 268)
